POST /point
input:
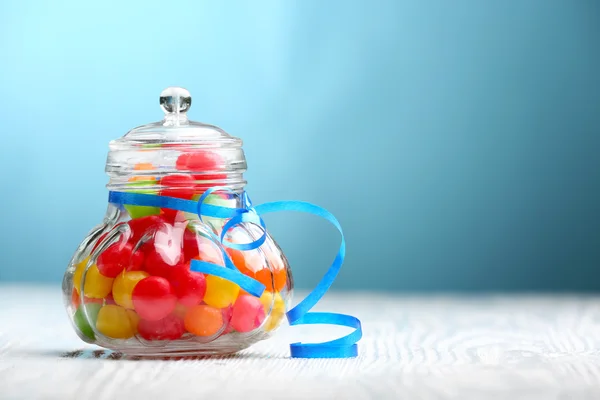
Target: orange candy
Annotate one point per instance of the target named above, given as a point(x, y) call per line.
point(142, 167)
point(203, 320)
point(273, 282)
point(252, 266)
point(75, 299)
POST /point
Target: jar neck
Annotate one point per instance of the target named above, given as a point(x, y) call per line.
point(175, 184)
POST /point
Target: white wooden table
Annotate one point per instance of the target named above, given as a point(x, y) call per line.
point(495, 347)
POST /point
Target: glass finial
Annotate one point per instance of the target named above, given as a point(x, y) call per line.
point(175, 100)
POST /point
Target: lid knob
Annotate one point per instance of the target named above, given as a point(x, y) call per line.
point(175, 100)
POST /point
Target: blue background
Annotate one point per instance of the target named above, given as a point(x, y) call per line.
point(456, 141)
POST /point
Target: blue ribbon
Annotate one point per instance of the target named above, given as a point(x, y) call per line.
point(299, 315)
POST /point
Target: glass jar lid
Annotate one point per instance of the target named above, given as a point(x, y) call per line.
point(177, 145)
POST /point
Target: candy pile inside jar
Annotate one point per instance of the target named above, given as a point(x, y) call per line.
point(130, 286)
point(145, 286)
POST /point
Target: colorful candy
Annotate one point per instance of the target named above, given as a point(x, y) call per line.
point(248, 313)
point(116, 258)
point(156, 265)
point(176, 185)
point(140, 182)
point(141, 185)
point(123, 287)
point(201, 160)
point(96, 286)
point(203, 320)
point(189, 286)
point(274, 307)
point(82, 321)
point(153, 298)
point(116, 322)
point(165, 252)
point(142, 226)
point(79, 268)
point(169, 328)
point(220, 292)
point(198, 247)
point(252, 264)
point(151, 291)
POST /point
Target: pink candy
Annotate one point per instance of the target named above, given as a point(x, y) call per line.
point(248, 313)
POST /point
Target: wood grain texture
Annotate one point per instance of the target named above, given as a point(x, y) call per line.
point(495, 347)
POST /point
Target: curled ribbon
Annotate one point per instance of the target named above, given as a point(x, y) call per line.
point(299, 315)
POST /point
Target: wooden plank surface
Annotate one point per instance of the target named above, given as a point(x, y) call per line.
point(486, 347)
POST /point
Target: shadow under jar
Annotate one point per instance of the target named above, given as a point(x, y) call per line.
point(129, 286)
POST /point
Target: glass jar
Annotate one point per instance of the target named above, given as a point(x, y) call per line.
point(129, 286)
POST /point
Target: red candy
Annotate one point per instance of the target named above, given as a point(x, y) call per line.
point(115, 259)
point(137, 261)
point(189, 286)
point(200, 248)
point(164, 253)
point(169, 328)
point(248, 313)
point(178, 185)
point(153, 298)
point(109, 299)
point(155, 265)
point(227, 312)
point(140, 226)
point(201, 161)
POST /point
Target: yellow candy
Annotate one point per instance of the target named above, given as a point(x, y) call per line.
point(277, 312)
point(116, 322)
point(77, 274)
point(123, 287)
point(220, 292)
point(96, 285)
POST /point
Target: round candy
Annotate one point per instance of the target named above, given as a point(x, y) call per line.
point(79, 268)
point(199, 247)
point(116, 322)
point(169, 328)
point(139, 182)
point(248, 313)
point(141, 226)
point(180, 310)
point(137, 261)
point(253, 265)
point(82, 322)
point(142, 211)
point(115, 259)
point(153, 298)
point(179, 186)
point(227, 312)
point(75, 299)
point(275, 309)
point(109, 299)
point(189, 286)
point(123, 287)
point(239, 260)
point(96, 285)
point(220, 292)
point(164, 252)
point(203, 320)
point(274, 281)
point(201, 160)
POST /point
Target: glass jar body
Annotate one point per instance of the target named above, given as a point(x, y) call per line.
point(129, 286)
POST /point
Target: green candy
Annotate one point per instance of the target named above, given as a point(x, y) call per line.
point(142, 211)
point(82, 322)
